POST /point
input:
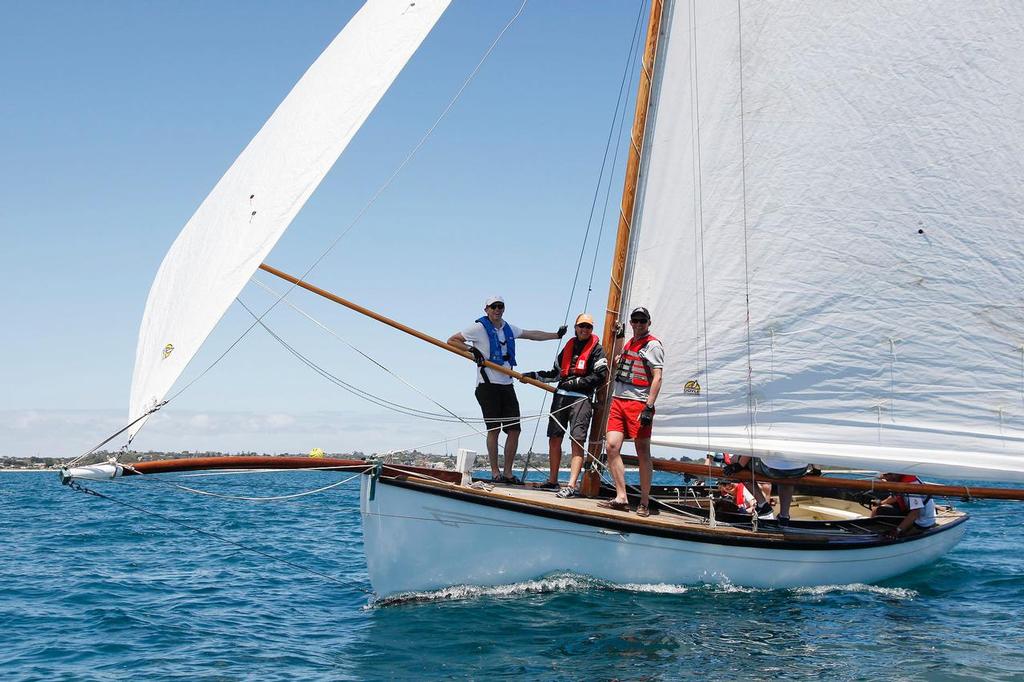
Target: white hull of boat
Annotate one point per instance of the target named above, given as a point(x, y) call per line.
point(417, 541)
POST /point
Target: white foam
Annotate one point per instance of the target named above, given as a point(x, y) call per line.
point(572, 582)
point(890, 592)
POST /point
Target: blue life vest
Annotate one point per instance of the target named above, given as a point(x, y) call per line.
point(497, 357)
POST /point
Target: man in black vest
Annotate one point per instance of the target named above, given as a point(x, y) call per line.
point(580, 368)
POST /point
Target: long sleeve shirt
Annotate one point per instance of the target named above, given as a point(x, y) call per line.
point(596, 374)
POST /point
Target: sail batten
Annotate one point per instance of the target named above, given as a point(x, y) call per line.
point(252, 205)
point(829, 233)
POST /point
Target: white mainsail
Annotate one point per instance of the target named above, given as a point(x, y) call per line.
point(830, 196)
point(254, 202)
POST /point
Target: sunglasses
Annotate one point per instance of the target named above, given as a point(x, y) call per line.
point(584, 325)
point(497, 306)
point(639, 320)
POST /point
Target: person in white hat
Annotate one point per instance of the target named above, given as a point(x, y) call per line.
point(493, 339)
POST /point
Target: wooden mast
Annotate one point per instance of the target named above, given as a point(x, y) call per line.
point(591, 480)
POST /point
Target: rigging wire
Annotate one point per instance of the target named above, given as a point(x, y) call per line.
point(373, 199)
point(620, 101)
point(631, 60)
point(377, 363)
point(698, 205)
point(746, 236)
point(74, 485)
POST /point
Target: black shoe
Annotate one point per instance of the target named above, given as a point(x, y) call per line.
point(547, 485)
point(765, 510)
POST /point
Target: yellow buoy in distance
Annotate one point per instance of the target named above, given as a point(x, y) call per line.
point(317, 453)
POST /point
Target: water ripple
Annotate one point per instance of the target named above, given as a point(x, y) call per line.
point(93, 591)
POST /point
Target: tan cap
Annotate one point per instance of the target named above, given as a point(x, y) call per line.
point(585, 317)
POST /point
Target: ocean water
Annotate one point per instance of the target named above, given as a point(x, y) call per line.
point(91, 588)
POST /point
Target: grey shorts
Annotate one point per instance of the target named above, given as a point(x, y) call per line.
point(758, 467)
point(572, 414)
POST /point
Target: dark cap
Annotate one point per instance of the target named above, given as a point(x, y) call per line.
point(640, 312)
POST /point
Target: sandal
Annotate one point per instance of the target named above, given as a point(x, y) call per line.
point(546, 485)
point(511, 480)
point(642, 511)
point(612, 504)
point(497, 479)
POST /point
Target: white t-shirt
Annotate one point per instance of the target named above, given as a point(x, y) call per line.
point(476, 336)
point(926, 519)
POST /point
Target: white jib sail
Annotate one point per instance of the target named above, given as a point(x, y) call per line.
point(257, 198)
point(847, 222)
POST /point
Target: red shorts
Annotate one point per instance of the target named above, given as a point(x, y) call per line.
point(624, 417)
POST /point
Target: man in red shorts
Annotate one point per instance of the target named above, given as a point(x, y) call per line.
point(637, 384)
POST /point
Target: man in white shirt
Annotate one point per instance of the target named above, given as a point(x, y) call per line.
point(492, 339)
point(915, 512)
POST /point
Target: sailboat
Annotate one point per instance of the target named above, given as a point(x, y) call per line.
point(820, 210)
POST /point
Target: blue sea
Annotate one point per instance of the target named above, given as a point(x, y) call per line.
point(122, 588)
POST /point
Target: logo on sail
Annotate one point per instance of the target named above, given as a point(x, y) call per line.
point(168, 349)
point(691, 387)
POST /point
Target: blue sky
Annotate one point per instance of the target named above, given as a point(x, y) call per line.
point(119, 117)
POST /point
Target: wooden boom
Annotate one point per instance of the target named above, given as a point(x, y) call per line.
point(399, 326)
point(843, 483)
point(166, 466)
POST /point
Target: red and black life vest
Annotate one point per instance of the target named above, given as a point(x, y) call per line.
point(633, 369)
point(901, 500)
point(579, 368)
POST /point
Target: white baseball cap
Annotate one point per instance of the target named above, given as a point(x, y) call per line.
point(493, 299)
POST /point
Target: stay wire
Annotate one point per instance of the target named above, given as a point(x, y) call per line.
point(698, 191)
point(619, 106)
point(746, 237)
point(369, 358)
point(617, 121)
point(355, 390)
point(74, 485)
point(373, 199)
point(630, 61)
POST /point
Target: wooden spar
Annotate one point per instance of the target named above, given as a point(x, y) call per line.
point(399, 326)
point(166, 466)
point(876, 485)
point(621, 252)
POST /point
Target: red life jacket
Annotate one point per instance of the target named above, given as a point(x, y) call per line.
point(633, 369)
point(580, 368)
point(901, 499)
point(741, 496)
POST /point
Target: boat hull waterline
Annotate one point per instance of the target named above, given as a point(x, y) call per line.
point(420, 541)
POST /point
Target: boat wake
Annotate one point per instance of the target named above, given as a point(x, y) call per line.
point(573, 582)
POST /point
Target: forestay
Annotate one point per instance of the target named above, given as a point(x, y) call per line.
point(254, 202)
point(829, 232)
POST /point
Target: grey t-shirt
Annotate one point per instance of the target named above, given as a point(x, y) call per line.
point(654, 354)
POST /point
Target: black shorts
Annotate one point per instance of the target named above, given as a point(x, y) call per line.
point(572, 414)
point(500, 406)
